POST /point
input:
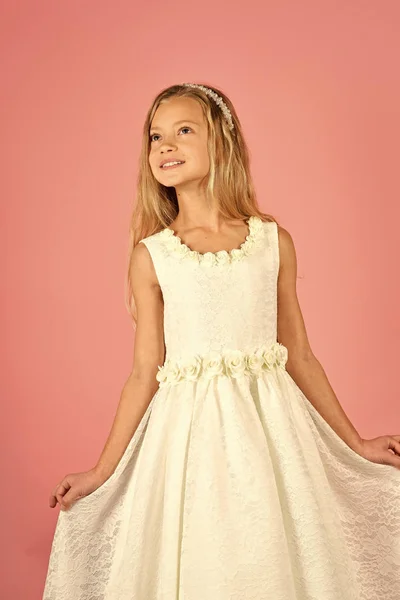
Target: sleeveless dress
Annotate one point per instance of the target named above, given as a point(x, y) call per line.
point(233, 486)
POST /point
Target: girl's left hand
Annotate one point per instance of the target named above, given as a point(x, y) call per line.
point(384, 450)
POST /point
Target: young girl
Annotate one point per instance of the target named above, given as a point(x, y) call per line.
point(231, 471)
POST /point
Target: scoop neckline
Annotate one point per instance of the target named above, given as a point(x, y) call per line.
point(178, 247)
point(181, 243)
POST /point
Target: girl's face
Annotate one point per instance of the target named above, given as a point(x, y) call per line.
point(178, 132)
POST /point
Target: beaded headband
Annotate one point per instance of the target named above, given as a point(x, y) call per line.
point(217, 99)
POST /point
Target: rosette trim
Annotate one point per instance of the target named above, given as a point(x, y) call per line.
point(232, 363)
point(251, 243)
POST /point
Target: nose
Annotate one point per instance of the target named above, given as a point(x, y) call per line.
point(167, 145)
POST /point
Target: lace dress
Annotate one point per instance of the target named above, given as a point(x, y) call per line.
point(233, 486)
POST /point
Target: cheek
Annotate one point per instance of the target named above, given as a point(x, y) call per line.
point(153, 162)
point(205, 160)
point(154, 168)
point(200, 155)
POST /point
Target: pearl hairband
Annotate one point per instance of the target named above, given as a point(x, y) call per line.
point(217, 99)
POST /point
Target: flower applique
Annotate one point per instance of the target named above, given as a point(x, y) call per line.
point(232, 363)
point(252, 242)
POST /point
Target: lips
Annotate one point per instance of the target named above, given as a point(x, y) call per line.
point(168, 160)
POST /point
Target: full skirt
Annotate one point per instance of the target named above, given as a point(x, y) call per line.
point(233, 489)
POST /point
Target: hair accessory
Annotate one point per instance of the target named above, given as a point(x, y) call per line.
point(217, 99)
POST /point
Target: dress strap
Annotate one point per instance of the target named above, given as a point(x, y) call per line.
point(272, 238)
point(157, 254)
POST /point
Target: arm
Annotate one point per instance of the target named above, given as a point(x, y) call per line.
point(302, 365)
point(149, 352)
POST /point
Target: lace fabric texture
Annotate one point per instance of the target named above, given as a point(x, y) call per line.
point(233, 487)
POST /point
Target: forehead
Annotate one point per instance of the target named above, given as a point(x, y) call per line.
point(175, 110)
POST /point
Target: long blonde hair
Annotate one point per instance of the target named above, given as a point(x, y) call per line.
point(229, 185)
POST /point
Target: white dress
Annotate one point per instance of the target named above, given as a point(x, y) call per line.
point(233, 487)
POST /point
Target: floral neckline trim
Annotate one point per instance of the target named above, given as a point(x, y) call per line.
point(230, 363)
point(252, 242)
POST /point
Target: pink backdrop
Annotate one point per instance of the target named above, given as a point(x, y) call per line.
point(317, 87)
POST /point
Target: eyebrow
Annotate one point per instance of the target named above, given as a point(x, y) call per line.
point(177, 123)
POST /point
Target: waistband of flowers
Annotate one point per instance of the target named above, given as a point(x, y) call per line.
point(232, 363)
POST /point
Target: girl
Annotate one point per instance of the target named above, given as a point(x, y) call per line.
point(231, 471)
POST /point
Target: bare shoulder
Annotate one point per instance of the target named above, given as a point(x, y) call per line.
point(287, 251)
point(141, 266)
point(285, 238)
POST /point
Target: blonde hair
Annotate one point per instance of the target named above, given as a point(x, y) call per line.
point(229, 186)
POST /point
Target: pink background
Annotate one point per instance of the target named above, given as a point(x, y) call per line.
point(317, 87)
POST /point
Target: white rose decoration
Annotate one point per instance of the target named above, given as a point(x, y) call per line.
point(173, 373)
point(235, 363)
point(253, 241)
point(254, 363)
point(282, 354)
point(269, 358)
point(161, 375)
point(236, 254)
point(190, 369)
point(175, 241)
point(232, 363)
point(208, 259)
point(193, 256)
point(181, 250)
point(222, 257)
point(257, 225)
point(249, 245)
point(166, 232)
point(213, 364)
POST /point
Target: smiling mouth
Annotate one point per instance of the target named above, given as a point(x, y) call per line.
point(172, 166)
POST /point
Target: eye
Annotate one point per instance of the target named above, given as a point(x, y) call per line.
point(156, 134)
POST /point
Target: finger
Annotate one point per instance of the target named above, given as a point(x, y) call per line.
point(64, 485)
point(391, 458)
point(393, 461)
point(67, 501)
point(59, 491)
point(52, 501)
point(394, 445)
point(53, 496)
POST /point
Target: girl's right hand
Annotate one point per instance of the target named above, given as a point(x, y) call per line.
point(75, 486)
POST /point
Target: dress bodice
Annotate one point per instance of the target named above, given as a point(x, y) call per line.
point(218, 301)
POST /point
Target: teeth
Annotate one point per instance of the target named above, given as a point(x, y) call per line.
point(178, 162)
